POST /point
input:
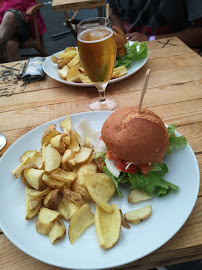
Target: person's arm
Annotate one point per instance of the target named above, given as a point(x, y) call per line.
point(192, 36)
point(116, 19)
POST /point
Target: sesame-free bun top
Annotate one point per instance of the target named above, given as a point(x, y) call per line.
point(136, 137)
point(119, 36)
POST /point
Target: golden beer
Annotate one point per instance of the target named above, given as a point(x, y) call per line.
point(97, 50)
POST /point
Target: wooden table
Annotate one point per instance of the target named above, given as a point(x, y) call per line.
point(174, 92)
point(63, 5)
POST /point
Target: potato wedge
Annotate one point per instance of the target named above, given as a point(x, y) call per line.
point(57, 232)
point(108, 226)
point(49, 133)
point(52, 159)
point(101, 189)
point(70, 207)
point(34, 178)
point(25, 181)
point(79, 184)
point(138, 195)
point(74, 144)
point(70, 49)
point(79, 222)
point(31, 212)
point(68, 54)
point(21, 168)
point(27, 154)
point(57, 143)
point(63, 62)
point(45, 220)
point(124, 222)
point(74, 61)
point(63, 72)
point(53, 183)
point(73, 74)
point(73, 196)
point(51, 199)
point(81, 189)
point(54, 59)
point(67, 177)
point(67, 139)
point(63, 210)
point(83, 155)
point(68, 154)
point(17, 171)
point(135, 216)
point(35, 194)
point(115, 74)
point(36, 159)
point(66, 124)
point(89, 168)
point(85, 79)
point(122, 70)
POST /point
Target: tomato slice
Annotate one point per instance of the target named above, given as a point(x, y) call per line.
point(131, 169)
point(121, 165)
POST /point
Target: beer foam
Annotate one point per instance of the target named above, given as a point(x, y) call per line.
point(94, 35)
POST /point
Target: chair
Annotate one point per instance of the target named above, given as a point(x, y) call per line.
point(36, 42)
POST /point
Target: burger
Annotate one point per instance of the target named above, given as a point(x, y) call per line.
point(135, 140)
point(120, 39)
point(136, 145)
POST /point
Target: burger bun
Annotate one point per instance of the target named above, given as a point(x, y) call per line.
point(135, 137)
point(120, 39)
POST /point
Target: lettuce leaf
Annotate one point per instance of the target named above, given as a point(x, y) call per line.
point(175, 142)
point(100, 155)
point(137, 51)
point(151, 183)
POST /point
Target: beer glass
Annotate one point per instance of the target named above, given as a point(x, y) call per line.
point(97, 52)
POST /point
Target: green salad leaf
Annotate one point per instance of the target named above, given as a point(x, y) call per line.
point(100, 155)
point(175, 142)
point(151, 181)
point(135, 52)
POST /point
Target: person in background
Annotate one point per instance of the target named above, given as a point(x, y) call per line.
point(144, 20)
point(16, 27)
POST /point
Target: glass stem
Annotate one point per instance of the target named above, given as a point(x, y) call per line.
point(101, 89)
point(102, 95)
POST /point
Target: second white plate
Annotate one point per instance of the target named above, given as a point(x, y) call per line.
point(51, 70)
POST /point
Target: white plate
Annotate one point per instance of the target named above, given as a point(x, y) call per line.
point(51, 70)
point(168, 215)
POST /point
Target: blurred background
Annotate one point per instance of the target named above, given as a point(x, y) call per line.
point(58, 37)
